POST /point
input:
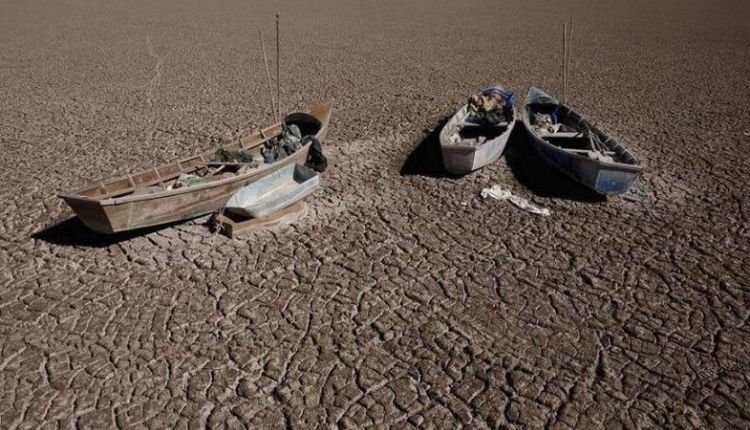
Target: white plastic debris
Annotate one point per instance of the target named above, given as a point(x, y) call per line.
point(498, 193)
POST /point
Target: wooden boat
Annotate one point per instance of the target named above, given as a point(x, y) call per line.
point(466, 146)
point(234, 225)
point(576, 147)
point(275, 191)
point(145, 199)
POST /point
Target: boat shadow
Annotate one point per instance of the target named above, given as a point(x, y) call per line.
point(425, 158)
point(72, 232)
point(536, 174)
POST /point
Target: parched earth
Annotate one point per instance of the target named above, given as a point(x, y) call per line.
point(401, 299)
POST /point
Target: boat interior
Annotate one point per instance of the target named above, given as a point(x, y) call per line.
point(565, 129)
point(276, 188)
point(203, 166)
point(466, 132)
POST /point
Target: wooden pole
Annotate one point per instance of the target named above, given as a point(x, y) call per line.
point(565, 61)
point(570, 49)
point(268, 76)
point(278, 57)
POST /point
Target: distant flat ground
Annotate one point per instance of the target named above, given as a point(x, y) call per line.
point(401, 299)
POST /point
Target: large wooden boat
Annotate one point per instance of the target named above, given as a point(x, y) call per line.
point(148, 198)
point(576, 147)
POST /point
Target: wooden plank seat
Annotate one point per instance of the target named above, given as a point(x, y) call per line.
point(473, 124)
point(564, 135)
point(586, 151)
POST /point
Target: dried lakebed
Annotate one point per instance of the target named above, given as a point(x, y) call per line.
point(403, 299)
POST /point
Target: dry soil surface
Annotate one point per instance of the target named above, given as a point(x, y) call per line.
point(402, 299)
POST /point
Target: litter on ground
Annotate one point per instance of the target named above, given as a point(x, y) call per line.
point(498, 193)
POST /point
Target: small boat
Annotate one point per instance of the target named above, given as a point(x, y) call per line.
point(466, 145)
point(576, 147)
point(237, 225)
point(151, 197)
point(276, 191)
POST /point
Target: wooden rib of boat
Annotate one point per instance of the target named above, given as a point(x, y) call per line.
point(466, 147)
point(276, 191)
point(144, 200)
point(578, 148)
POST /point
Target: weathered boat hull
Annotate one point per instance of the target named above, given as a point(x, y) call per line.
point(275, 191)
point(100, 209)
point(197, 201)
point(603, 177)
point(461, 159)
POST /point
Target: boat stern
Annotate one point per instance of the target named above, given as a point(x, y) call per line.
point(91, 213)
point(458, 160)
point(611, 182)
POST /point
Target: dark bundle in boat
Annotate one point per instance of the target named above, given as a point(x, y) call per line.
point(227, 156)
point(288, 142)
point(491, 106)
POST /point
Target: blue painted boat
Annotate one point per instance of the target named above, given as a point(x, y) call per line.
point(576, 147)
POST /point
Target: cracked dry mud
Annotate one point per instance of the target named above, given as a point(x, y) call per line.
point(402, 299)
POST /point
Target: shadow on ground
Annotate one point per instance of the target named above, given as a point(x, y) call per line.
point(72, 232)
point(538, 175)
point(425, 158)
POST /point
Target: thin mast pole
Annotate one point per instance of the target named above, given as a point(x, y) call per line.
point(570, 49)
point(278, 57)
point(268, 76)
point(565, 61)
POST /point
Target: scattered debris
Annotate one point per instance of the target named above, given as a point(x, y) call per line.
point(205, 174)
point(498, 193)
point(545, 123)
point(186, 180)
point(635, 195)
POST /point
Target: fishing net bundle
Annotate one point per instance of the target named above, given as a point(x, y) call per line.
point(289, 142)
point(284, 145)
point(225, 156)
point(491, 106)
